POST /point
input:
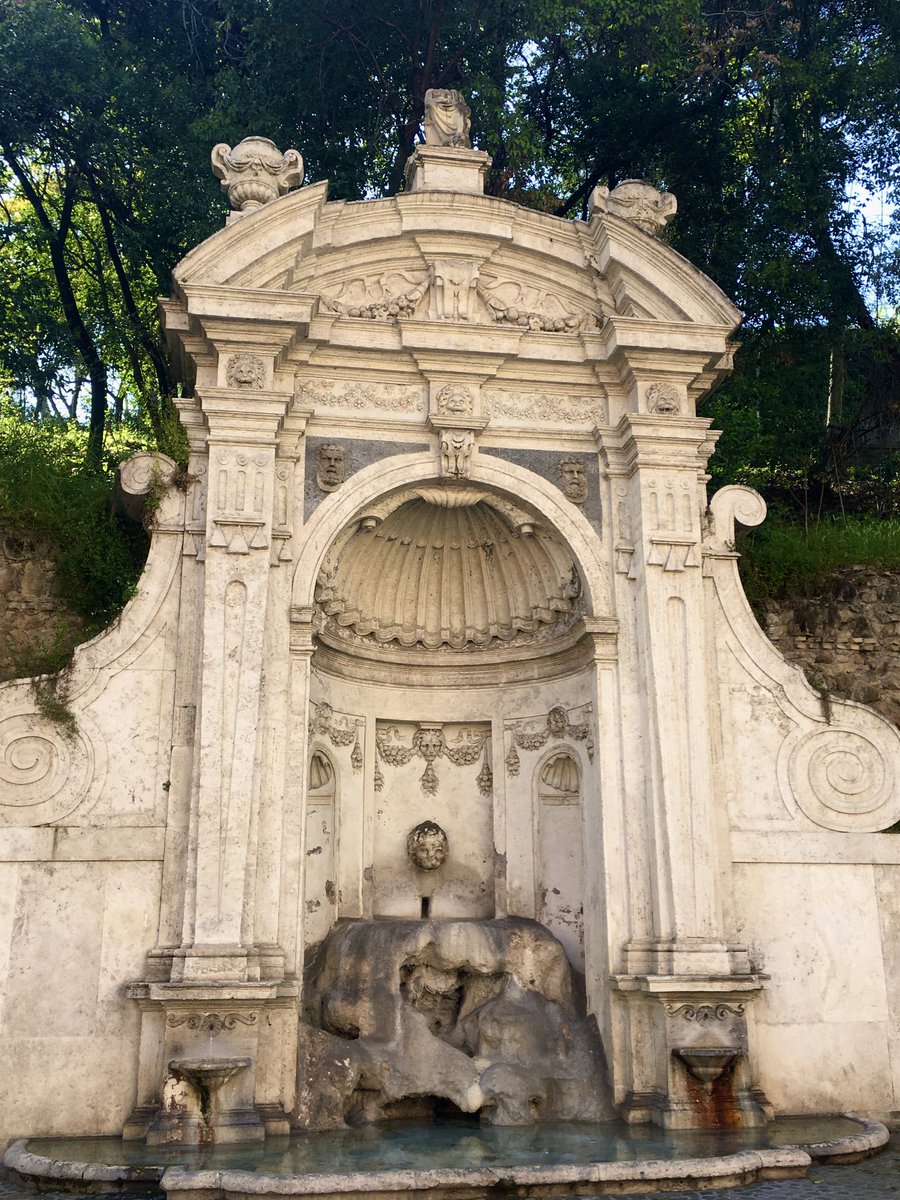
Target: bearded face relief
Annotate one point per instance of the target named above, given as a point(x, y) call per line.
point(427, 846)
point(330, 465)
point(574, 479)
point(557, 721)
point(447, 118)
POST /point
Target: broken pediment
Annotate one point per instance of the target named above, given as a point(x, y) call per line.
point(387, 259)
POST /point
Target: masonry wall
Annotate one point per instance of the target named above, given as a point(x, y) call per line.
point(31, 613)
point(847, 636)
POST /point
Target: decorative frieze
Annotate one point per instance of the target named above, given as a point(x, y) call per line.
point(704, 1014)
point(429, 744)
point(211, 1022)
point(358, 397)
point(549, 409)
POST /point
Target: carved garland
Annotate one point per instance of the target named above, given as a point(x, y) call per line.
point(428, 743)
point(557, 726)
point(357, 396)
point(341, 732)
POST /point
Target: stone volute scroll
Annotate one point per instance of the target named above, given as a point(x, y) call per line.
point(254, 172)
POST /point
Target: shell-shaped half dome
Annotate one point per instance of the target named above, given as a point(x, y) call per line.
point(433, 574)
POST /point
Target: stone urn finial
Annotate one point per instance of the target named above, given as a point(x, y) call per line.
point(638, 202)
point(255, 172)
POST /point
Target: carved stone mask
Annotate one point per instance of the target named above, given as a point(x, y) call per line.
point(557, 721)
point(574, 479)
point(245, 371)
point(429, 743)
point(454, 401)
point(330, 462)
point(427, 846)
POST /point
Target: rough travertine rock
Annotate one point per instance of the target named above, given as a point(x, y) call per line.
point(405, 1015)
point(847, 639)
point(31, 612)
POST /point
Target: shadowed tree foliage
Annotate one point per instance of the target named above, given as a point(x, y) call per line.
point(764, 117)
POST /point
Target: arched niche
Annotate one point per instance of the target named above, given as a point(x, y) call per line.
point(320, 892)
point(559, 849)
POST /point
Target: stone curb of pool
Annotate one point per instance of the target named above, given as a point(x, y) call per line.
point(743, 1167)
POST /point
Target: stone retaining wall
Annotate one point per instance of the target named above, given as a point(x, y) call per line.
point(846, 636)
point(32, 616)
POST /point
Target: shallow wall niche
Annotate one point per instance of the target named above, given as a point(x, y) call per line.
point(320, 893)
point(430, 771)
point(559, 851)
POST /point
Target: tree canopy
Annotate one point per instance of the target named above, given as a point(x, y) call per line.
point(771, 121)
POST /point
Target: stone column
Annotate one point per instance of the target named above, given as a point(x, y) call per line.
point(226, 1003)
point(681, 959)
point(241, 445)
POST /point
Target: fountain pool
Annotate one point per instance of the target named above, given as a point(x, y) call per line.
point(455, 1157)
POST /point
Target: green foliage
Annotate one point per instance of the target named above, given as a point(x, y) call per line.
point(780, 557)
point(46, 487)
point(764, 120)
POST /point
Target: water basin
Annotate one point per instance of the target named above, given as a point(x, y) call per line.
point(458, 1157)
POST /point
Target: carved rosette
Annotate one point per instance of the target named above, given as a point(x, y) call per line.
point(358, 397)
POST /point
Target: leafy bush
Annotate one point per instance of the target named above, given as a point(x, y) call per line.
point(781, 557)
point(46, 488)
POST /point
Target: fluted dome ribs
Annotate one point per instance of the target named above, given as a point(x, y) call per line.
point(434, 575)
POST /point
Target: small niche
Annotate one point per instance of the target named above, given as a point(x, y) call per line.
point(426, 908)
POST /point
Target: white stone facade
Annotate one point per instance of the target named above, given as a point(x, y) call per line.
point(444, 552)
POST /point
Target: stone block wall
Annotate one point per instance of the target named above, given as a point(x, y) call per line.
point(847, 636)
point(31, 614)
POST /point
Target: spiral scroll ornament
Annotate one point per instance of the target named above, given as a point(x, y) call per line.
point(843, 780)
point(45, 772)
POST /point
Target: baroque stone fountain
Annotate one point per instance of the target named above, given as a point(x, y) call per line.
point(466, 796)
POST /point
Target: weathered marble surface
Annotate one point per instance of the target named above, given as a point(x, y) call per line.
point(406, 1015)
point(639, 769)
